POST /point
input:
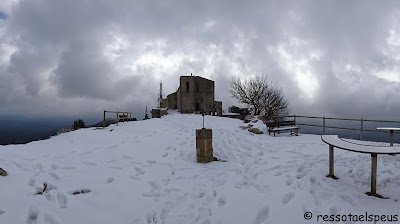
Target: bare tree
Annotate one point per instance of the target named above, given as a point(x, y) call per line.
point(261, 95)
point(274, 104)
point(249, 91)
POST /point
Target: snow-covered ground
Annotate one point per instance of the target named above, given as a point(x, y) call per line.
point(146, 172)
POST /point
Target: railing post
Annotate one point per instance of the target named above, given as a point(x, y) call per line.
point(373, 173)
point(323, 129)
point(331, 159)
point(104, 119)
point(294, 118)
point(117, 118)
point(362, 127)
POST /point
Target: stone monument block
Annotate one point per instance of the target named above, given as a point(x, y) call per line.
point(204, 148)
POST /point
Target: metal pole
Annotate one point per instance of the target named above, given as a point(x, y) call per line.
point(331, 163)
point(391, 137)
point(362, 127)
point(323, 130)
point(104, 119)
point(373, 173)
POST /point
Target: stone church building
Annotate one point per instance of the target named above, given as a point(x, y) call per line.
point(194, 95)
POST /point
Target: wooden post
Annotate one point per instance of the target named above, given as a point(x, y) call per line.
point(294, 118)
point(331, 161)
point(331, 164)
point(323, 129)
point(104, 119)
point(362, 127)
point(374, 167)
point(373, 173)
point(117, 119)
point(373, 176)
point(391, 137)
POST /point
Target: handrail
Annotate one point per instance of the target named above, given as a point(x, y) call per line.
point(125, 117)
point(109, 111)
point(342, 119)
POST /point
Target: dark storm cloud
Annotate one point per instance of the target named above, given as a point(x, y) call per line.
point(3, 16)
point(330, 57)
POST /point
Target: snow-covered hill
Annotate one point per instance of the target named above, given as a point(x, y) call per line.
point(146, 172)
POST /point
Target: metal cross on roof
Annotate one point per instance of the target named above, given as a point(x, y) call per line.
point(202, 114)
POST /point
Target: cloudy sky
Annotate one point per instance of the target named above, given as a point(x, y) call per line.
point(333, 58)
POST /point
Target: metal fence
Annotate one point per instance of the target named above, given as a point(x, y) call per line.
point(124, 116)
point(324, 126)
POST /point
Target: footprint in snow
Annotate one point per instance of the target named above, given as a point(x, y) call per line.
point(287, 197)
point(33, 215)
point(154, 185)
point(347, 198)
point(134, 177)
point(139, 171)
point(89, 163)
point(116, 167)
point(2, 212)
point(31, 182)
point(62, 200)
point(198, 195)
point(165, 154)
point(172, 189)
point(221, 200)
point(49, 219)
point(289, 182)
point(262, 215)
point(68, 168)
point(109, 180)
point(54, 176)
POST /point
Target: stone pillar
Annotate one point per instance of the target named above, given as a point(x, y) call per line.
point(204, 148)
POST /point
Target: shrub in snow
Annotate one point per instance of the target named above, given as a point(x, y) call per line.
point(78, 124)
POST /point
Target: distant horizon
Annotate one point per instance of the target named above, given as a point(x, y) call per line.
point(24, 129)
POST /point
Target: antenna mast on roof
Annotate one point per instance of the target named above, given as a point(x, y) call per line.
point(160, 96)
point(146, 116)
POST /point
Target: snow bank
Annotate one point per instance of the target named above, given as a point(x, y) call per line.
point(146, 172)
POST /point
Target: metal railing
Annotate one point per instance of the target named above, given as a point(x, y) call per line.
point(126, 116)
point(324, 126)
